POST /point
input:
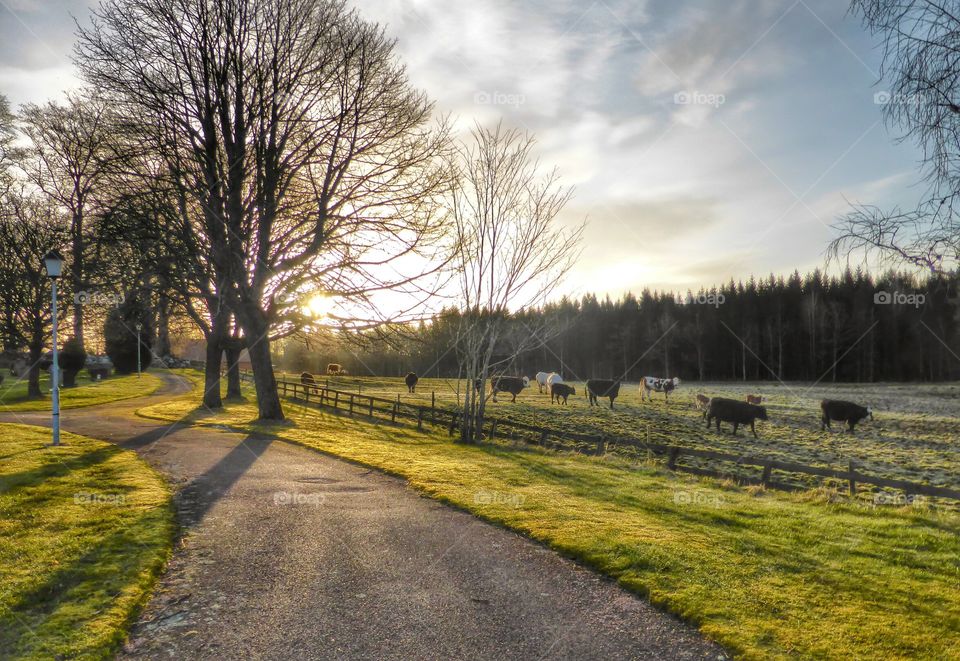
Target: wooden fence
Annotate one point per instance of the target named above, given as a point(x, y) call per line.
point(370, 406)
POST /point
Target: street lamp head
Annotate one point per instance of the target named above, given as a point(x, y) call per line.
point(53, 262)
point(139, 326)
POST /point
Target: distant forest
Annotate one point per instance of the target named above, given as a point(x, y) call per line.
point(854, 327)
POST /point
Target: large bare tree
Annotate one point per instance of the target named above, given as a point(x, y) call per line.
point(67, 158)
point(511, 254)
point(309, 155)
point(921, 63)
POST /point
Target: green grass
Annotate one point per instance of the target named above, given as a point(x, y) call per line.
point(13, 392)
point(914, 435)
point(766, 574)
point(84, 531)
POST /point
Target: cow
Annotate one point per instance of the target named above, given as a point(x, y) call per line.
point(308, 381)
point(739, 413)
point(552, 378)
point(649, 384)
point(335, 369)
point(839, 410)
point(511, 384)
point(602, 388)
point(411, 380)
point(561, 390)
point(542, 380)
point(702, 403)
point(755, 399)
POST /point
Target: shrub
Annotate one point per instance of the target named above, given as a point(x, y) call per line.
point(71, 360)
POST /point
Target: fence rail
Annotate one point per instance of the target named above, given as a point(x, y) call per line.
point(371, 406)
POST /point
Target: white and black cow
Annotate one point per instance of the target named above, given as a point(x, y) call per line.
point(651, 384)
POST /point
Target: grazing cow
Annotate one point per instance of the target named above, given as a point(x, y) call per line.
point(702, 402)
point(561, 390)
point(511, 384)
point(755, 399)
point(308, 381)
point(553, 378)
point(649, 384)
point(841, 411)
point(542, 380)
point(739, 413)
point(335, 369)
point(411, 380)
point(602, 388)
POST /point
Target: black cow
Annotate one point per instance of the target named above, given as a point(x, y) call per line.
point(411, 380)
point(841, 411)
point(308, 382)
point(739, 413)
point(602, 388)
point(511, 384)
point(561, 390)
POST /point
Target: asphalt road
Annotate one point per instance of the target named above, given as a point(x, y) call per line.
point(291, 554)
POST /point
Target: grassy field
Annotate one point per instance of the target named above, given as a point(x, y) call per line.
point(766, 574)
point(84, 531)
point(915, 434)
point(13, 392)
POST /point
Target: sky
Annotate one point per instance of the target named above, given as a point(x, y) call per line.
point(706, 140)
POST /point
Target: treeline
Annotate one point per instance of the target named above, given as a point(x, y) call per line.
point(853, 327)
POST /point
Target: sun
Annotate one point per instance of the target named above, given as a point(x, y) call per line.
point(319, 306)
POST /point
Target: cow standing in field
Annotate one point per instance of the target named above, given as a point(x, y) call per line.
point(542, 380)
point(602, 388)
point(411, 380)
point(511, 384)
point(561, 390)
point(841, 411)
point(650, 384)
point(738, 413)
point(308, 382)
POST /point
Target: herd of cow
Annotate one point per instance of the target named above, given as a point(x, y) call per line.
point(715, 409)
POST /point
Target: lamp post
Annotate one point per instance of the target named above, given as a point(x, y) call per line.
point(53, 263)
point(139, 328)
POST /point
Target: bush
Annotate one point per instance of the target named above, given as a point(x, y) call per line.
point(71, 360)
point(120, 335)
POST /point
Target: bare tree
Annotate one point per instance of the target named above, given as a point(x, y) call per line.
point(922, 64)
point(511, 254)
point(67, 158)
point(299, 137)
point(30, 226)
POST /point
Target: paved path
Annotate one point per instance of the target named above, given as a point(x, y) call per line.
point(291, 554)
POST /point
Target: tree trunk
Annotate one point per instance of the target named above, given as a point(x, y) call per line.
point(33, 377)
point(163, 326)
point(211, 375)
point(255, 330)
point(234, 346)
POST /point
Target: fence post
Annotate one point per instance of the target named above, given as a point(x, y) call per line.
point(493, 428)
point(336, 400)
point(371, 407)
point(602, 445)
point(420, 418)
point(433, 407)
point(853, 481)
point(453, 422)
point(393, 413)
point(765, 478)
point(674, 454)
